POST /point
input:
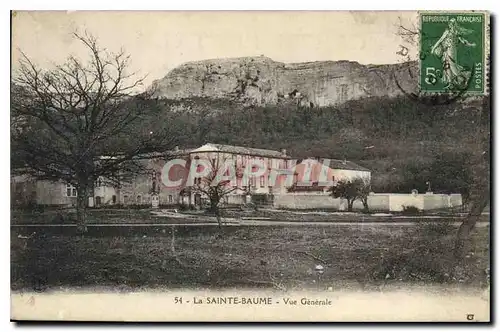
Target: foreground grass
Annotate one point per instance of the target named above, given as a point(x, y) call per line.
point(144, 216)
point(94, 216)
point(280, 257)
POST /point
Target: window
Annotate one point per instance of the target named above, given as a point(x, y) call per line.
point(154, 183)
point(139, 199)
point(114, 199)
point(262, 181)
point(70, 191)
point(98, 183)
point(170, 199)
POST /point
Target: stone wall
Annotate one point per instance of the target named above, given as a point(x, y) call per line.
point(307, 201)
point(53, 193)
point(376, 202)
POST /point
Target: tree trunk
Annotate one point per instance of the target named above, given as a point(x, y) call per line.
point(218, 216)
point(81, 209)
point(365, 204)
point(462, 242)
point(213, 205)
point(350, 203)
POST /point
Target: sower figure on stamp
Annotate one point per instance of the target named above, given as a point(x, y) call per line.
point(454, 75)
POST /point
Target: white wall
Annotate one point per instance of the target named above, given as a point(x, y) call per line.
point(308, 200)
point(53, 193)
point(345, 174)
point(398, 201)
point(376, 202)
point(106, 193)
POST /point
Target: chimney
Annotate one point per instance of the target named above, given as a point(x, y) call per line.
point(176, 149)
point(345, 161)
point(283, 152)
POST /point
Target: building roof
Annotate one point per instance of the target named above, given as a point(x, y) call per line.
point(178, 152)
point(339, 164)
point(210, 147)
point(165, 154)
point(347, 165)
point(213, 147)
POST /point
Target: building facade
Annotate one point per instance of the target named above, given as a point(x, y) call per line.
point(319, 174)
point(269, 172)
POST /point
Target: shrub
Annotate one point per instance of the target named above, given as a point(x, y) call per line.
point(59, 218)
point(185, 207)
point(411, 210)
point(35, 208)
point(29, 206)
point(248, 207)
point(108, 206)
point(262, 198)
point(137, 206)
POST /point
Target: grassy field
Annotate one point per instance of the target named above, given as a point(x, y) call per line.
point(279, 257)
point(144, 216)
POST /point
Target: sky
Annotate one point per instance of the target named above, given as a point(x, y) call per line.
point(160, 41)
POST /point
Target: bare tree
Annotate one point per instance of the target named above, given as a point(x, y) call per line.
point(480, 195)
point(213, 187)
point(71, 118)
point(480, 188)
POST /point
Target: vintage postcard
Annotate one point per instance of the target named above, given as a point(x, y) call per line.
point(260, 166)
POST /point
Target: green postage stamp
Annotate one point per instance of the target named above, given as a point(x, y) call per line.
point(452, 52)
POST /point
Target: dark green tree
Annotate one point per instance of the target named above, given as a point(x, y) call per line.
point(351, 190)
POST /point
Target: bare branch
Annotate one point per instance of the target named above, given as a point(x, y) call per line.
point(65, 118)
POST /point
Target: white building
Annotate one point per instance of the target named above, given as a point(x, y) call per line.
point(281, 170)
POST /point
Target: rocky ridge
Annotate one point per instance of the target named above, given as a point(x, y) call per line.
point(263, 81)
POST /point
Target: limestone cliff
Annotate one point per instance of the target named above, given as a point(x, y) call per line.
point(260, 80)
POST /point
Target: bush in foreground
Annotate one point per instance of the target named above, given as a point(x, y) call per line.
point(411, 210)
